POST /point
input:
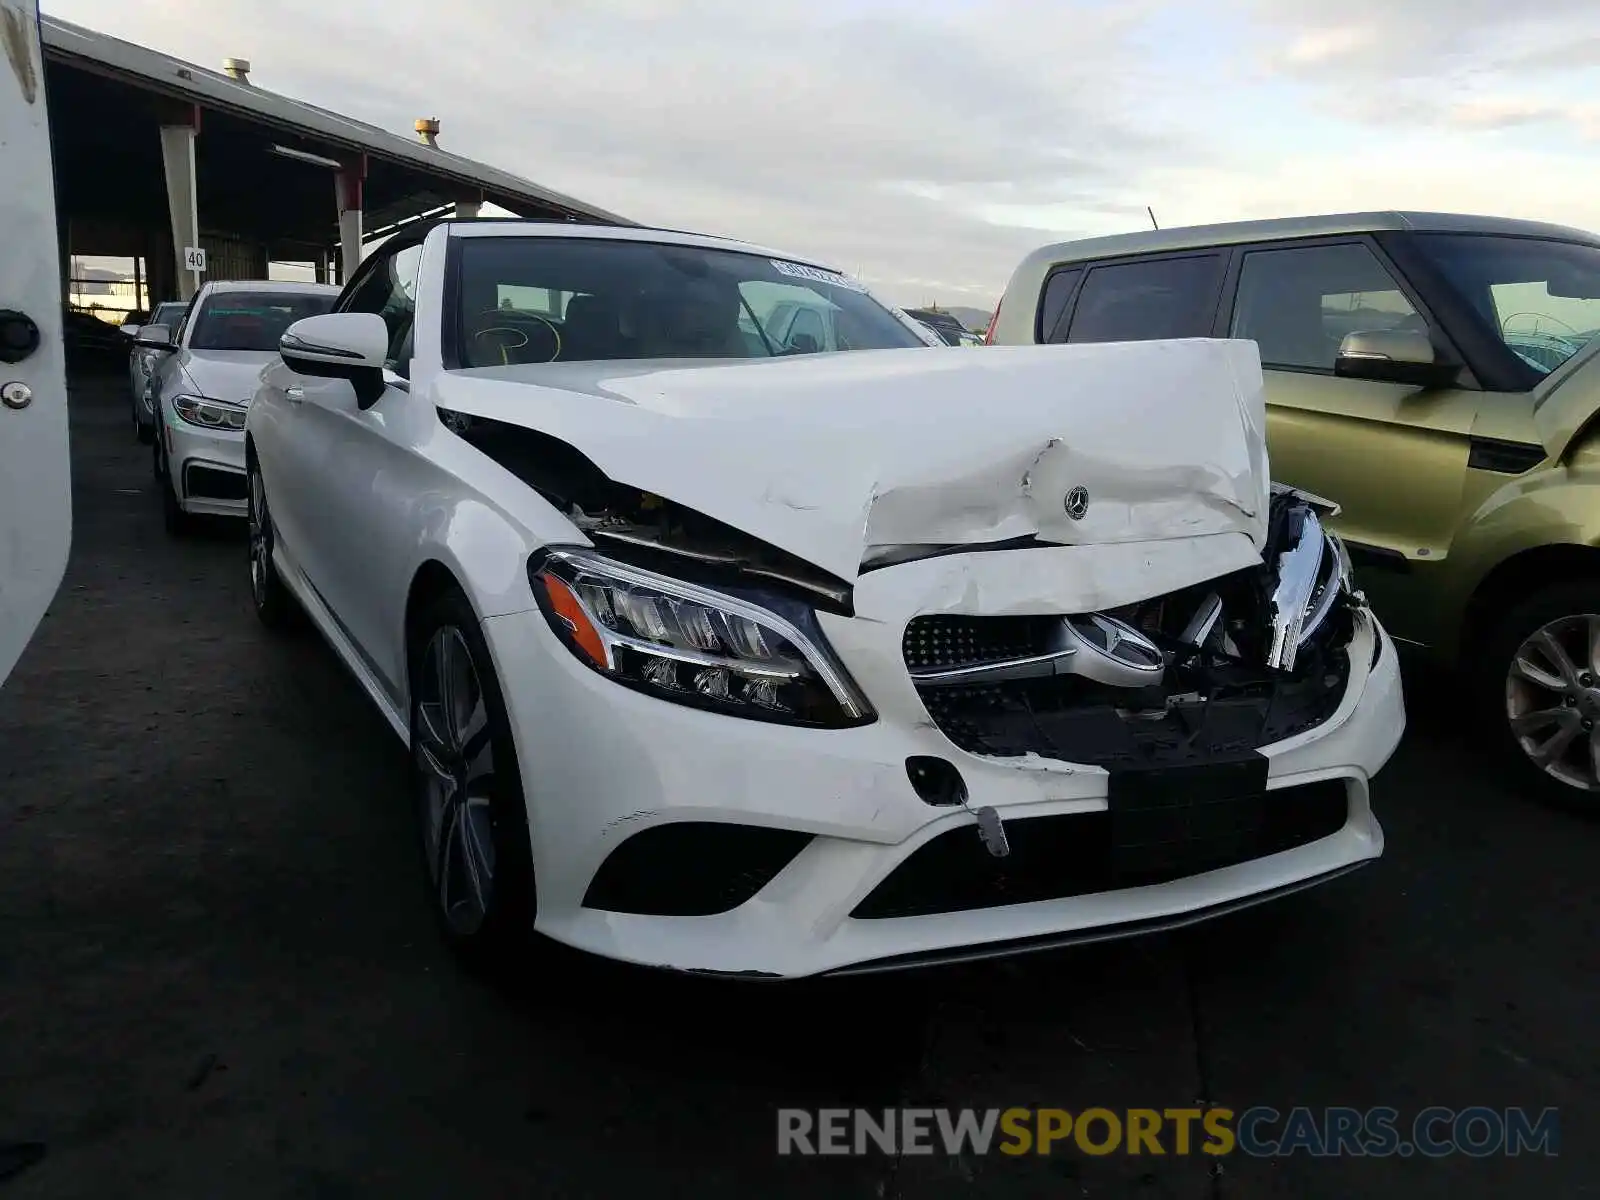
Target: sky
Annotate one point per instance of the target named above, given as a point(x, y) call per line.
point(926, 147)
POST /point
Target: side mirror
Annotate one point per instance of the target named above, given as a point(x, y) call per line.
point(351, 346)
point(129, 331)
point(155, 337)
point(1394, 356)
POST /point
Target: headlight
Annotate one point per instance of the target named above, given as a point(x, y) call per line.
point(1333, 580)
point(209, 414)
point(692, 645)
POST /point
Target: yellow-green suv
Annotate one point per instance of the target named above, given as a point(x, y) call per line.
point(1438, 377)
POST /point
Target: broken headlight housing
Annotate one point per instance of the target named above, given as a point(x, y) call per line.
point(1310, 572)
point(692, 645)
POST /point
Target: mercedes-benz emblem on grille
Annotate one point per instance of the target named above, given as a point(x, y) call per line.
point(1077, 503)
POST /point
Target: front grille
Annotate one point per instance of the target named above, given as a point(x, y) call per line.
point(692, 868)
point(1201, 712)
point(209, 483)
point(1082, 854)
point(955, 641)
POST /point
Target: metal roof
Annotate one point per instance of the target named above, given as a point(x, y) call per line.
point(1197, 237)
point(75, 45)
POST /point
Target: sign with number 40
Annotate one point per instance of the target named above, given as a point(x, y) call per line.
point(194, 259)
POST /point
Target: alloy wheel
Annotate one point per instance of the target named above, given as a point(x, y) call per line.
point(455, 758)
point(1552, 695)
point(260, 551)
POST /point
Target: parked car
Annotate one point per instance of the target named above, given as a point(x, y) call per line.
point(793, 320)
point(715, 657)
point(1437, 376)
point(801, 325)
point(951, 331)
point(201, 382)
point(91, 345)
point(140, 358)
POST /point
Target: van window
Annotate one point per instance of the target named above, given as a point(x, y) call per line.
point(1141, 301)
point(1057, 291)
point(1298, 304)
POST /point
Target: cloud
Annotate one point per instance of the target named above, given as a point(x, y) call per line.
point(1418, 39)
point(883, 136)
point(929, 144)
point(1428, 173)
point(1328, 44)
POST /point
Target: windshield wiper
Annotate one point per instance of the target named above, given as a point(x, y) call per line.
point(760, 332)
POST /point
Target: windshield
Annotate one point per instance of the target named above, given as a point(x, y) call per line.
point(252, 320)
point(168, 314)
point(560, 299)
point(1542, 297)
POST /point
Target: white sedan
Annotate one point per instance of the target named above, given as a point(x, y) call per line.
point(140, 360)
point(201, 382)
point(716, 654)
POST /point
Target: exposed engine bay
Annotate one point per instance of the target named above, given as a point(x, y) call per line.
point(1205, 673)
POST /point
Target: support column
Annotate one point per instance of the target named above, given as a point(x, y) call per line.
point(183, 205)
point(347, 195)
point(469, 202)
point(321, 268)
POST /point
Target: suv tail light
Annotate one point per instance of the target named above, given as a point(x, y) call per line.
point(988, 337)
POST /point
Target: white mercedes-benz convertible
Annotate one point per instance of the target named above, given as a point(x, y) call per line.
point(779, 653)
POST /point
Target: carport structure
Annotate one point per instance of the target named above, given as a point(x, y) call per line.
point(153, 155)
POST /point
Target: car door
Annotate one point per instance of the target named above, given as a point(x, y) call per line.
point(35, 480)
point(347, 485)
point(1395, 457)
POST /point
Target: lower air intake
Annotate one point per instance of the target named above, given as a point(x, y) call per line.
point(691, 868)
point(208, 483)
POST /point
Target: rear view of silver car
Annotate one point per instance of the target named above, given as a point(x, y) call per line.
point(201, 385)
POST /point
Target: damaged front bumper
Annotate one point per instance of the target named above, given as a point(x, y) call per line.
point(675, 837)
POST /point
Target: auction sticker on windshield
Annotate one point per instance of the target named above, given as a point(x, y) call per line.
point(816, 275)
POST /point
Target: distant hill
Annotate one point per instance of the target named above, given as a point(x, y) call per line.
point(96, 281)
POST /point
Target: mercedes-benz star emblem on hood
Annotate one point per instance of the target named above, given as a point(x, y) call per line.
point(1077, 503)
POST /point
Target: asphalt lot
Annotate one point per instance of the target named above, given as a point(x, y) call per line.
point(218, 975)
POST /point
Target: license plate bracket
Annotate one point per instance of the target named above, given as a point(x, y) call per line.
point(1170, 821)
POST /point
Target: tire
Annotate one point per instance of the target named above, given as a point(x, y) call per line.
point(490, 927)
point(1558, 701)
point(178, 523)
point(143, 433)
point(275, 605)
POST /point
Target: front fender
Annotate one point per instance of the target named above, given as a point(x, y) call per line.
point(481, 523)
point(1555, 506)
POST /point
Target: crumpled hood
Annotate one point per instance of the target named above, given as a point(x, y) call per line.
point(837, 458)
point(226, 374)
